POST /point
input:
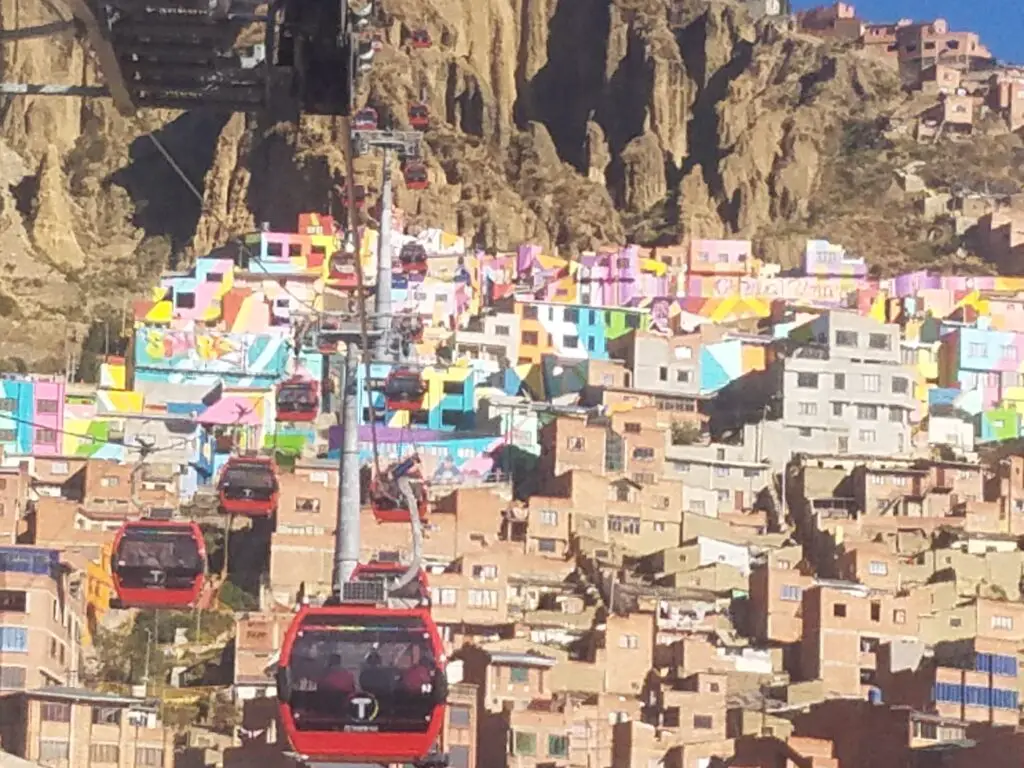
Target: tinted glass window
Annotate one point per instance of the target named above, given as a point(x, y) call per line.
point(258, 479)
point(300, 396)
point(366, 674)
point(158, 558)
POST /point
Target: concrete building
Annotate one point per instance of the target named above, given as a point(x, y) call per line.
point(74, 727)
point(839, 386)
point(41, 620)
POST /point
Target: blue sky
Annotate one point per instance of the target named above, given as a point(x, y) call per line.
point(999, 22)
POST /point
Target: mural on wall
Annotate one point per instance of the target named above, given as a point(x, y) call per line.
point(178, 356)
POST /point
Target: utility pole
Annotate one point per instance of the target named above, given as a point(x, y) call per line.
point(405, 144)
point(346, 535)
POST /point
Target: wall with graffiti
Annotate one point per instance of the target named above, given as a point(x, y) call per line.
point(201, 357)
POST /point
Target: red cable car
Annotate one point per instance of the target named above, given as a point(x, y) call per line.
point(157, 564)
point(419, 117)
point(416, 176)
point(248, 486)
point(365, 120)
point(362, 683)
point(388, 571)
point(342, 268)
point(412, 259)
point(404, 389)
point(420, 38)
point(392, 507)
point(298, 399)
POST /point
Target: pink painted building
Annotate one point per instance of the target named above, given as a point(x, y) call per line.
point(47, 417)
point(719, 258)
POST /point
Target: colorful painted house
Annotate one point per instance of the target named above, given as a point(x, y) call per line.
point(182, 299)
point(825, 259)
point(983, 359)
point(573, 331)
point(449, 403)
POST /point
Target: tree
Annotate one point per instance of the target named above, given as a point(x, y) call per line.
point(685, 433)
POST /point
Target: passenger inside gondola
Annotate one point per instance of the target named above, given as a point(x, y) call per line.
point(367, 650)
point(147, 559)
point(388, 494)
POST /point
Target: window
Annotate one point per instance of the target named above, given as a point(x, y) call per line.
point(807, 409)
point(529, 338)
point(876, 615)
point(1002, 622)
point(106, 715)
point(501, 330)
point(807, 380)
point(519, 674)
point(149, 757)
point(620, 524)
point(530, 312)
point(575, 444)
point(837, 409)
point(955, 621)
point(721, 471)
point(791, 593)
point(549, 517)
point(839, 610)
point(682, 377)
point(185, 300)
point(663, 373)
point(525, 743)
point(846, 339)
point(8, 404)
point(896, 415)
point(458, 756)
point(547, 545)
point(571, 315)
point(703, 721)
point(643, 478)
point(7, 435)
point(14, 639)
point(868, 436)
point(643, 454)
point(805, 432)
point(558, 746)
point(104, 753)
point(460, 717)
point(900, 385)
point(880, 341)
point(55, 712)
point(871, 382)
point(12, 678)
point(53, 751)
point(867, 412)
point(899, 616)
point(878, 568)
point(975, 349)
point(109, 482)
point(840, 381)
point(571, 342)
point(457, 388)
point(13, 601)
point(46, 406)
point(483, 598)
point(485, 572)
point(444, 596)
point(630, 642)
point(308, 505)
point(48, 436)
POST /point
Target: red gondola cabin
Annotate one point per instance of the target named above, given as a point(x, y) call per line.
point(390, 506)
point(362, 683)
point(412, 259)
point(343, 269)
point(157, 564)
point(365, 120)
point(420, 38)
point(298, 399)
point(248, 486)
point(419, 117)
point(416, 176)
point(404, 389)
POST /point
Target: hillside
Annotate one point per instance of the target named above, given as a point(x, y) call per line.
point(572, 123)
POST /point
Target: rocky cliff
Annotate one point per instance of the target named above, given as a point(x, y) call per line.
point(572, 123)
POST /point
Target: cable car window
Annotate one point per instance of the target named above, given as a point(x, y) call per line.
point(405, 385)
point(256, 479)
point(159, 558)
point(301, 396)
point(363, 674)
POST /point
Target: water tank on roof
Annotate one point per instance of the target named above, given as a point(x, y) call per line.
point(875, 695)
